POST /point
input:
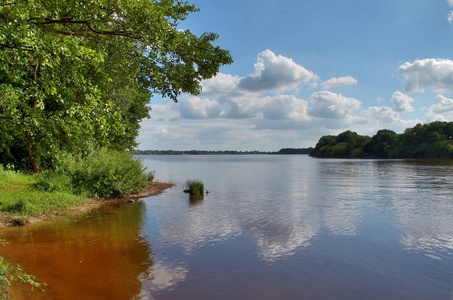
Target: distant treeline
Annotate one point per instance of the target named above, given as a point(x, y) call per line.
point(295, 151)
point(433, 140)
point(228, 152)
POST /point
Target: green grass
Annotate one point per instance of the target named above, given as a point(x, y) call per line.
point(101, 173)
point(20, 196)
point(195, 187)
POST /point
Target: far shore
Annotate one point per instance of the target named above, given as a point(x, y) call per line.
point(152, 188)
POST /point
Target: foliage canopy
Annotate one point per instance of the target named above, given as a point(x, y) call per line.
point(78, 72)
point(433, 140)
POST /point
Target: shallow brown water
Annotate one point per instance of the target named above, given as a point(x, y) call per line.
point(98, 256)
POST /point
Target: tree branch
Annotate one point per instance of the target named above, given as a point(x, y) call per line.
point(66, 22)
point(14, 47)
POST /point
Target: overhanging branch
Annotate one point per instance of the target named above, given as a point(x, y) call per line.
point(81, 32)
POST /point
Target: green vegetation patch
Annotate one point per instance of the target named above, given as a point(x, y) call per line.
point(195, 187)
point(433, 140)
point(103, 173)
point(20, 195)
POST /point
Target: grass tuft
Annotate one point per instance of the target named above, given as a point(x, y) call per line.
point(195, 187)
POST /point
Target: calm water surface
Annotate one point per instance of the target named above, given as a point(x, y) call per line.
point(272, 227)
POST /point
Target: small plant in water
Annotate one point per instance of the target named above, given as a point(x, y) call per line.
point(195, 187)
point(150, 176)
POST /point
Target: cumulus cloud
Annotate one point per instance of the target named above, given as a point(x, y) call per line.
point(198, 108)
point(443, 105)
point(335, 82)
point(164, 112)
point(285, 107)
point(275, 72)
point(402, 102)
point(277, 107)
point(383, 114)
point(450, 2)
point(432, 74)
point(242, 108)
point(441, 110)
point(220, 84)
point(331, 105)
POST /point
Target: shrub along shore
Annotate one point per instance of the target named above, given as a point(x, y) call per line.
point(77, 185)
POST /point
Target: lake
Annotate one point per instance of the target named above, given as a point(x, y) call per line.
point(272, 227)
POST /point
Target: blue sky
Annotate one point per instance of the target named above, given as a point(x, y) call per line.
point(307, 68)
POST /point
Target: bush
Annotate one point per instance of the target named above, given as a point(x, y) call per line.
point(105, 173)
point(51, 181)
point(195, 187)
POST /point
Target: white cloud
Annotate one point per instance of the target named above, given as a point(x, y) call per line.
point(432, 74)
point(450, 2)
point(251, 112)
point(442, 110)
point(335, 82)
point(248, 107)
point(220, 84)
point(275, 72)
point(383, 114)
point(443, 105)
point(450, 17)
point(164, 112)
point(331, 105)
point(285, 107)
point(402, 102)
point(198, 108)
point(242, 108)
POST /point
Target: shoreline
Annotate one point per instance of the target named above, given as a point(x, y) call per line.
point(151, 189)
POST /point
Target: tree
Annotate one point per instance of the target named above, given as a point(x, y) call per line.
point(382, 143)
point(75, 72)
point(433, 140)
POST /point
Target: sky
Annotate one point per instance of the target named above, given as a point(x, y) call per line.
point(307, 68)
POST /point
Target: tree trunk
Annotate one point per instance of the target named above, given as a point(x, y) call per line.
point(32, 159)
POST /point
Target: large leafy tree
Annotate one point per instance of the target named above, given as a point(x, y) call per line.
point(74, 72)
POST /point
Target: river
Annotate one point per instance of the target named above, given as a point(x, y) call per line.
point(271, 227)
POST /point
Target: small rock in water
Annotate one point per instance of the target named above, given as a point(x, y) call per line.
point(130, 201)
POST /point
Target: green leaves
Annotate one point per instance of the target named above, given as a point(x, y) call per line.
point(74, 71)
point(433, 140)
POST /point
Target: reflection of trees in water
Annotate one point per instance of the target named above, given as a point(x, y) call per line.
point(100, 256)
